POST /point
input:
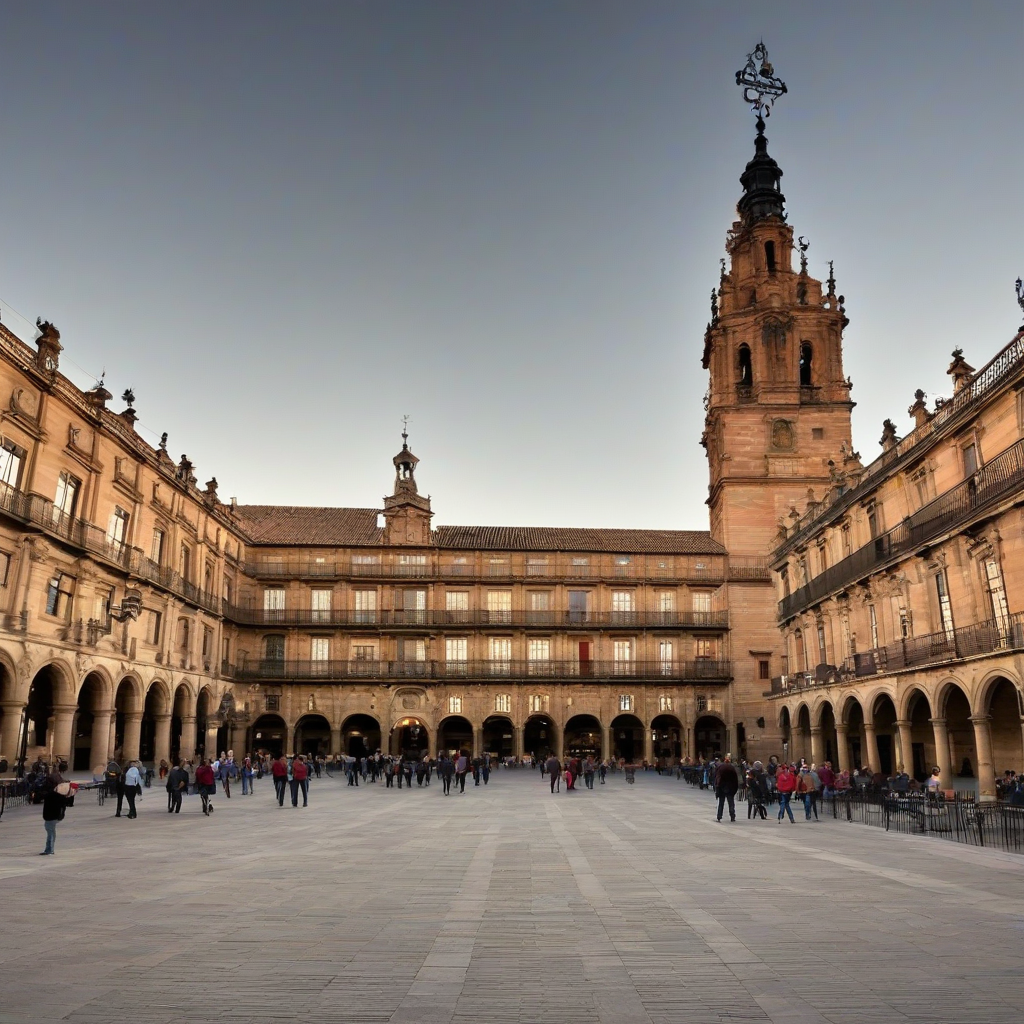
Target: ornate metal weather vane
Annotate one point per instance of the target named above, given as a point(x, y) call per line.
point(1020, 293)
point(761, 86)
point(405, 431)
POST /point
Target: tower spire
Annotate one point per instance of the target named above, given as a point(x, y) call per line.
point(762, 196)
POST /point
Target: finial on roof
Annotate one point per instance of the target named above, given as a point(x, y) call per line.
point(405, 432)
point(831, 278)
point(1020, 295)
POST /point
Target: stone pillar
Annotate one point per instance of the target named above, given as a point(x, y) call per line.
point(10, 735)
point(517, 742)
point(556, 740)
point(336, 741)
point(132, 735)
point(236, 739)
point(648, 746)
point(842, 748)
point(478, 741)
point(986, 768)
point(688, 743)
point(162, 739)
point(906, 758)
point(187, 744)
point(99, 749)
point(871, 742)
point(211, 739)
point(817, 745)
point(942, 752)
point(606, 742)
point(63, 721)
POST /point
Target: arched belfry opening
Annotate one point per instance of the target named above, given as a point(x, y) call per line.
point(745, 367)
point(806, 359)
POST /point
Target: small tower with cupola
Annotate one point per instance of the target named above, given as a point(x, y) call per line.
point(407, 513)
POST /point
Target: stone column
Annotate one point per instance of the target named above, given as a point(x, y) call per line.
point(236, 739)
point(648, 745)
point(211, 739)
point(941, 734)
point(336, 741)
point(99, 749)
point(986, 768)
point(688, 743)
point(517, 742)
point(63, 721)
point(817, 745)
point(478, 741)
point(162, 739)
point(10, 736)
point(187, 744)
point(556, 740)
point(132, 735)
point(871, 742)
point(906, 758)
point(842, 748)
point(606, 742)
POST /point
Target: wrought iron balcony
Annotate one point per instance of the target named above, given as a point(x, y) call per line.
point(464, 620)
point(996, 481)
point(992, 637)
point(702, 671)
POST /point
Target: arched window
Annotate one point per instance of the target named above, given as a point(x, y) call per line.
point(806, 355)
point(769, 256)
point(745, 366)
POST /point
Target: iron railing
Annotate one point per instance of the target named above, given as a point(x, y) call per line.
point(511, 669)
point(990, 377)
point(432, 618)
point(994, 482)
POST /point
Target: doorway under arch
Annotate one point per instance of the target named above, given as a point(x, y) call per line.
point(709, 737)
point(455, 734)
point(628, 739)
point(360, 736)
point(89, 723)
point(582, 737)
point(539, 736)
point(885, 733)
point(312, 735)
point(499, 736)
point(667, 733)
point(268, 734)
point(410, 738)
point(37, 727)
point(1004, 710)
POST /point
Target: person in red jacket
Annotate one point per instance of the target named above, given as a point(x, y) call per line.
point(279, 769)
point(300, 781)
point(206, 783)
point(785, 783)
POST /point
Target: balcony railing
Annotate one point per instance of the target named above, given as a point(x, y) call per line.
point(709, 570)
point(987, 380)
point(705, 671)
point(430, 618)
point(985, 489)
point(996, 636)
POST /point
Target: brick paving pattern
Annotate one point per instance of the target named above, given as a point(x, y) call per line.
point(626, 905)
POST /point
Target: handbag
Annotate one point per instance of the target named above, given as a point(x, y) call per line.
point(138, 788)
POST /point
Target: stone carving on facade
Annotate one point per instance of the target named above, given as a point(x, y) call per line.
point(782, 435)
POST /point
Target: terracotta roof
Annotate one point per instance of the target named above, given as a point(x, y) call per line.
point(289, 525)
point(309, 525)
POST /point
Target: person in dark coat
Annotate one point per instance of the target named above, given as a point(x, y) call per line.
point(60, 795)
point(727, 782)
point(177, 787)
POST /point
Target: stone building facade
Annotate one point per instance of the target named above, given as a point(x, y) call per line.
point(901, 592)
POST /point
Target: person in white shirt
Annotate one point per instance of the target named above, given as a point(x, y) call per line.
point(132, 787)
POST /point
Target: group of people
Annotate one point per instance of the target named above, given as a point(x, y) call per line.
point(394, 771)
point(571, 771)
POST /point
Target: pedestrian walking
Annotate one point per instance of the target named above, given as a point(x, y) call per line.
point(461, 770)
point(279, 770)
point(554, 769)
point(785, 785)
point(300, 781)
point(807, 785)
point(757, 792)
point(132, 787)
point(727, 783)
point(602, 771)
point(248, 777)
point(177, 787)
point(485, 770)
point(206, 784)
point(60, 795)
point(446, 769)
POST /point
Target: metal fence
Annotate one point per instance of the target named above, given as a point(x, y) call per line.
point(13, 793)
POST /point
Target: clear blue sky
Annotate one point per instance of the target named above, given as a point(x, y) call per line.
point(286, 225)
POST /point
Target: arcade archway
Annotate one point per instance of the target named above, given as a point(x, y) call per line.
point(92, 725)
point(582, 737)
point(667, 733)
point(455, 734)
point(268, 735)
point(499, 736)
point(628, 739)
point(539, 736)
point(312, 735)
point(360, 736)
point(410, 739)
point(709, 737)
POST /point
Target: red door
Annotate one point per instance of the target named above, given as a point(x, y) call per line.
point(586, 664)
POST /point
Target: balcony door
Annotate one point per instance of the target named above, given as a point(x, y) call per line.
point(585, 657)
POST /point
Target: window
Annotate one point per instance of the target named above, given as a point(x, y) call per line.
point(763, 669)
point(364, 657)
point(874, 625)
point(5, 568)
point(272, 702)
point(414, 606)
point(319, 655)
point(229, 590)
point(822, 653)
point(366, 565)
point(905, 627)
point(665, 657)
point(11, 459)
point(623, 565)
point(499, 606)
point(846, 541)
point(623, 607)
point(806, 355)
point(185, 563)
point(540, 608)
point(104, 601)
point(945, 608)
point(538, 653)
point(784, 577)
point(625, 702)
point(701, 602)
point(704, 649)
point(456, 604)
point(412, 565)
point(822, 555)
point(702, 704)
point(66, 500)
point(970, 459)
point(185, 634)
point(456, 655)
point(746, 369)
point(920, 481)
point(273, 604)
point(664, 703)
point(817, 433)
point(503, 703)
point(536, 567)
point(578, 606)
point(207, 642)
point(622, 655)
point(769, 257)
point(117, 528)
point(365, 602)
point(666, 604)
point(537, 702)
point(498, 567)
point(579, 567)
point(153, 628)
point(320, 605)
point(156, 548)
point(801, 654)
point(273, 648)
point(459, 566)
point(454, 705)
point(414, 653)
point(499, 651)
point(873, 523)
point(997, 595)
point(59, 596)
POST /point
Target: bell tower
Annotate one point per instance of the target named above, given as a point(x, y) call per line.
point(407, 513)
point(778, 402)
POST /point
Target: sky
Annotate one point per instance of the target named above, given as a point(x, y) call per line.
point(285, 226)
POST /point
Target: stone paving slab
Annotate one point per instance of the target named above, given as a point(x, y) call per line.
point(625, 905)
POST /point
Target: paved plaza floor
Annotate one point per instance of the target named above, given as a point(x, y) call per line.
point(623, 905)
